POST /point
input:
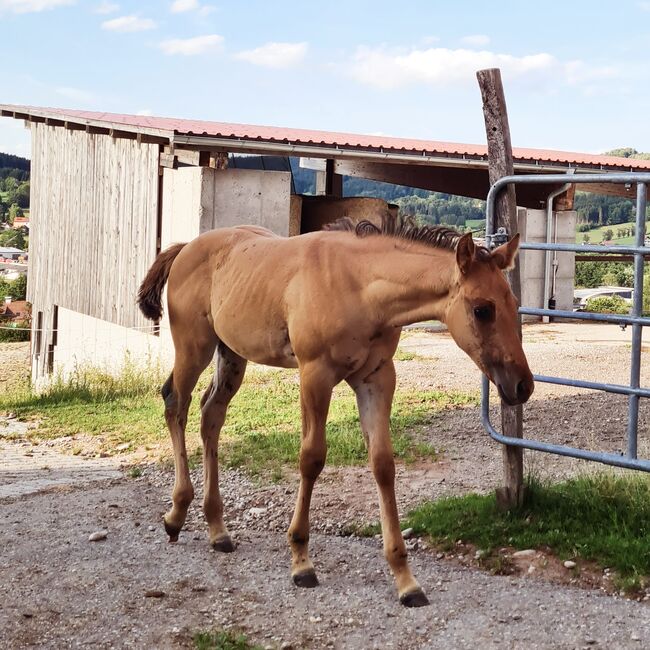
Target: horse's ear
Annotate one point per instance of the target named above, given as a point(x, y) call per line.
point(465, 252)
point(505, 255)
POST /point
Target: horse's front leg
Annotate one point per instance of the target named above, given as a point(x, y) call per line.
point(374, 394)
point(316, 386)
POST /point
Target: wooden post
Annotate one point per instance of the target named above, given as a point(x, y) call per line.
point(499, 165)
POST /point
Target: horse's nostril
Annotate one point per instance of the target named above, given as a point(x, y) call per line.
point(521, 389)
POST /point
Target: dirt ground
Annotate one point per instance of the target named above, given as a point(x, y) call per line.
point(59, 590)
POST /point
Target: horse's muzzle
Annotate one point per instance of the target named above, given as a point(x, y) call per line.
point(515, 385)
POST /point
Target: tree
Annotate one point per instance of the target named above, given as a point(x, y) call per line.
point(16, 289)
point(14, 211)
point(13, 238)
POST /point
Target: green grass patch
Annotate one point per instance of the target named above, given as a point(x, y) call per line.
point(596, 234)
point(601, 518)
point(405, 355)
point(262, 430)
point(222, 640)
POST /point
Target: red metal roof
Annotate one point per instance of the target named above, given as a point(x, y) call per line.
point(170, 127)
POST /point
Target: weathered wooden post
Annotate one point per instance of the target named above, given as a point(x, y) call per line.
point(499, 165)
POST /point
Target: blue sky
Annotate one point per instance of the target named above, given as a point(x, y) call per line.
point(576, 74)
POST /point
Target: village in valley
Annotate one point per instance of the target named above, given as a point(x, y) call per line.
point(14, 242)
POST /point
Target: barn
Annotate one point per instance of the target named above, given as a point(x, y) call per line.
point(110, 191)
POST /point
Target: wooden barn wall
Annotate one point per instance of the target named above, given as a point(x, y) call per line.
point(93, 222)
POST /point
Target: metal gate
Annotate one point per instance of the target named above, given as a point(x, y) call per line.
point(635, 318)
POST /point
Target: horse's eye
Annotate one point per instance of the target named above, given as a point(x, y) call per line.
point(484, 313)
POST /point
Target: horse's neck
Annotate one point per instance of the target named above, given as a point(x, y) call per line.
point(409, 286)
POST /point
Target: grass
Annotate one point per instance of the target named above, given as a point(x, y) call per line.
point(405, 355)
point(222, 640)
point(262, 431)
point(596, 234)
point(601, 518)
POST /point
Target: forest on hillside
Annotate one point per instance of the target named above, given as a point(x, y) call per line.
point(14, 187)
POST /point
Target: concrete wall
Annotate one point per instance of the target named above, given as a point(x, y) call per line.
point(198, 199)
point(532, 227)
point(84, 341)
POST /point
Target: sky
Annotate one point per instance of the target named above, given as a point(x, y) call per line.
point(576, 74)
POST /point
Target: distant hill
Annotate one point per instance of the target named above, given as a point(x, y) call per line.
point(14, 166)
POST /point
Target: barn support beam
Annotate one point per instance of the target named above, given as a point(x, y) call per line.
point(500, 163)
point(461, 181)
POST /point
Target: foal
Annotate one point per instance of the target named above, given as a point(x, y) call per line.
point(330, 304)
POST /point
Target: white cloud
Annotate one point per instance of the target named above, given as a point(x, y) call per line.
point(129, 24)
point(192, 46)
point(106, 8)
point(475, 40)
point(183, 6)
point(180, 6)
point(31, 6)
point(275, 55)
point(644, 5)
point(388, 68)
point(75, 94)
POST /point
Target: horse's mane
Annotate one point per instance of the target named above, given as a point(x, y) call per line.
point(402, 228)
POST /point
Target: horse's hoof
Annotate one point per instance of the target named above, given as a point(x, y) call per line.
point(223, 544)
point(306, 579)
point(172, 531)
point(414, 598)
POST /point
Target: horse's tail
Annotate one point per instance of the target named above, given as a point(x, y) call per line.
point(150, 293)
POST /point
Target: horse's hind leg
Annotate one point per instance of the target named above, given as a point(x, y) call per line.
point(190, 361)
point(228, 376)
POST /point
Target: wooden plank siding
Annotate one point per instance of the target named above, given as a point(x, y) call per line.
point(94, 210)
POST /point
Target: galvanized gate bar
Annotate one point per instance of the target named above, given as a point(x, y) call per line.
point(635, 319)
point(619, 319)
point(617, 460)
point(593, 385)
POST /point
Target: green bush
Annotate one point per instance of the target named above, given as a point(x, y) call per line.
point(608, 305)
point(12, 332)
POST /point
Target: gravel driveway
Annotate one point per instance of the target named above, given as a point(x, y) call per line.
point(59, 590)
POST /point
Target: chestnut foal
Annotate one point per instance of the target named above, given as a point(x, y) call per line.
point(330, 304)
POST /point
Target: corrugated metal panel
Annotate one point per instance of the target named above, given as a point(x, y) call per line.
point(170, 127)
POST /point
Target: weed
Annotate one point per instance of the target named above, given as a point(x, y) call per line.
point(135, 472)
point(222, 640)
point(404, 355)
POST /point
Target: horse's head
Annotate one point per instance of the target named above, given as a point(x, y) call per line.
point(482, 317)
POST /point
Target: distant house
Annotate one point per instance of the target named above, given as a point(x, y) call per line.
point(11, 254)
point(14, 310)
point(21, 223)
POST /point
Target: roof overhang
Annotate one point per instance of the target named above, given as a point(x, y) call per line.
point(441, 166)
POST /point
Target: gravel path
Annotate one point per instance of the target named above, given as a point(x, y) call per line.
point(59, 590)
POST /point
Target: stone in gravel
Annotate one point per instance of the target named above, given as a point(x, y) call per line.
point(315, 619)
point(286, 646)
point(97, 536)
point(529, 552)
point(256, 512)
point(152, 528)
point(123, 446)
point(154, 593)
point(407, 533)
point(569, 564)
point(28, 614)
